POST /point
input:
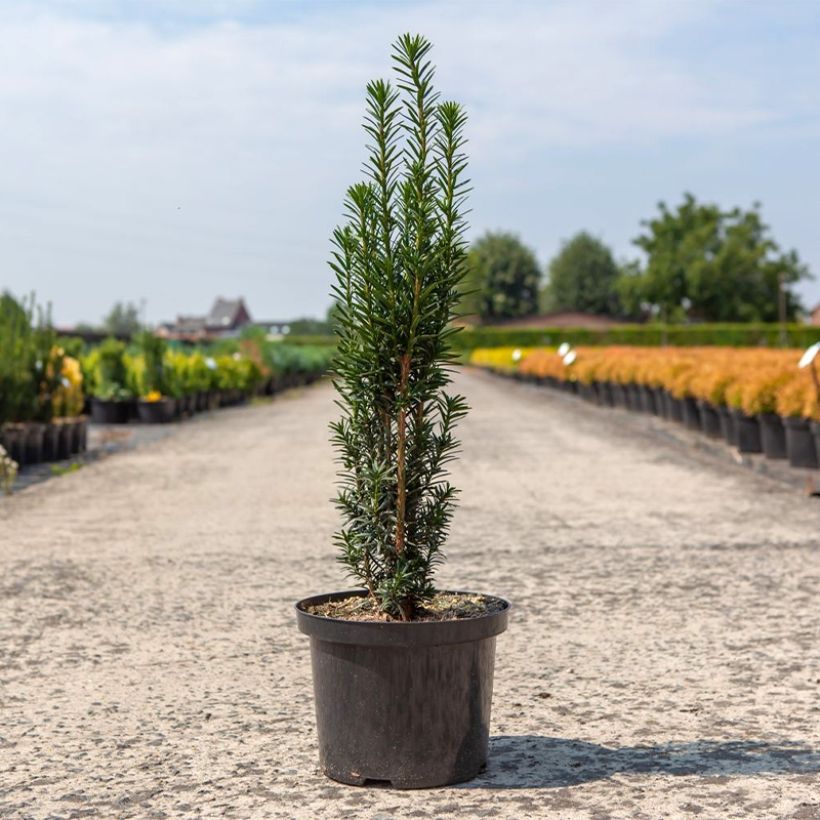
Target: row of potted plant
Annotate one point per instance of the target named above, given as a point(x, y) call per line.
point(157, 384)
point(758, 400)
point(41, 396)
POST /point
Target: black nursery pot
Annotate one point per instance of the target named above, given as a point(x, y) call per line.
point(109, 412)
point(588, 392)
point(605, 394)
point(51, 442)
point(402, 703)
point(747, 431)
point(157, 412)
point(35, 432)
point(691, 413)
point(647, 395)
point(618, 394)
point(772, 435)
point(800, 443)
point(727, 425)
point(13, 439)
point(674, 408)
point(709, 419)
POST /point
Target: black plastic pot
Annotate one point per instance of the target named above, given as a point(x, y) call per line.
point(691, 413)
point(727, 425)
point(662, 402)
point(647, 399)
point(709, 419)
point(772, 435)
point(674, 408)
point(156, 412)
point(815, 431)
point(618, 394)
point(633, 398)
point(34, 442)
point(404, 703)
point(800, 444)
point(82, 427)
point(605, 396)
point(51, 442)
point(747, 431)
point(73, 435)
point(588, 392)
point(13, 438)
point(109, 412)
point(65, 433)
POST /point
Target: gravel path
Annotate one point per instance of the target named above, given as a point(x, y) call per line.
point(663, 659)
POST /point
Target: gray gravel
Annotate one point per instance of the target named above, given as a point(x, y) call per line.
point(663, 659)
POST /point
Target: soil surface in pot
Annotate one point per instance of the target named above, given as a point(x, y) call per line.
point(443, 606)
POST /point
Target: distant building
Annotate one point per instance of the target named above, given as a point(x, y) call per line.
point(814, 315)
point(227, 318)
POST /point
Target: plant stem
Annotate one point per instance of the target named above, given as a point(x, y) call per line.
point(401, 445)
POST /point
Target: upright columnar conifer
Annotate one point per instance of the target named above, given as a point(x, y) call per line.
point(398, 262)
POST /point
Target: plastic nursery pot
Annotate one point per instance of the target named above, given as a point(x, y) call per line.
point(727, 425)
point(605, 398)
point(661, 404)
point(74, 435)
point(691, 413)
point(109, 412)
point(633, 398)
point(747, 432)
point(156, 412)
point(647, 397)
point(13, 439)
point(800, 443)
point(82, 428)
point(35, 431)
point(709, 419)
point(674, 408)
point(407, 703)
point(51, 442)
point(815, 431)
point(588, 392)
point(618, 395)
point(772, 435)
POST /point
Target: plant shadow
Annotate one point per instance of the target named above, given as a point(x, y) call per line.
point(535, 762)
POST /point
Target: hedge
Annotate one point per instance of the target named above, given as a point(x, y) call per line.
point(651, 335)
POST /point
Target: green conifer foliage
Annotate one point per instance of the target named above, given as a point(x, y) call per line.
point(398, 262)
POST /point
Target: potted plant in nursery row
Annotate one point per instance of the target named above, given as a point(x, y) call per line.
point(402, 672)
point(155, 405)
point(111, 397)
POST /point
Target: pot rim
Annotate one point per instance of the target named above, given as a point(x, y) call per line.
point(399, 633)
point(796, 422)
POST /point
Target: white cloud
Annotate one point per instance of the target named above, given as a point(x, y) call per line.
point(219, 152)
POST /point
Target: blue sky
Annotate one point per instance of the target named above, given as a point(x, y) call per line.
point(175, 151)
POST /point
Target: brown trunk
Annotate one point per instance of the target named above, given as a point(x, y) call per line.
point(401, 445)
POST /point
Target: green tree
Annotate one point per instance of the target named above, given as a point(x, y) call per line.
point(583, 277)
point(502, 278)
point(708, 264)
point(123, 320)
point(398, 263)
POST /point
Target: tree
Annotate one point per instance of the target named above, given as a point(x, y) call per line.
point(502, 278)
point(708, 264)
point(123, 320)
point(583, 277)
point(398, 263)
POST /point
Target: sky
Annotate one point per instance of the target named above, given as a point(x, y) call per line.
point(166, 152)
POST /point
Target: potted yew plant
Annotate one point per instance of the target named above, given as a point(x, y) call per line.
point(402, 672)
